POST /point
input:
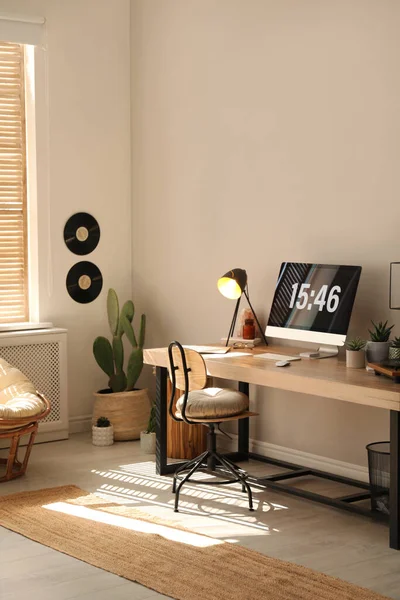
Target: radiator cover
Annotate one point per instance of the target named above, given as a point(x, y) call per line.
point(42, 356)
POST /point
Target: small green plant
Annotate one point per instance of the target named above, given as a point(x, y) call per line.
point(103, 422)
point(381, 332)
point(356, 344)
point(110, 357)
point(396, 342)
point(151, 425)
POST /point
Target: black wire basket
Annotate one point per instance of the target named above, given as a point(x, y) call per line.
point(379, 475)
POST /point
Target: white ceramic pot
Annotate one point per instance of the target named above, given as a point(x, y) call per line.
point(377, 351)
point(355, 359)
point(147, 442)
point(102, 436)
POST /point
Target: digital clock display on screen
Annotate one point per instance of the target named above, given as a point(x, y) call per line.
point(314, 297)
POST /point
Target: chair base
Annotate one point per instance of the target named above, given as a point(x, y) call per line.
point(14, 467)
point(211, 462)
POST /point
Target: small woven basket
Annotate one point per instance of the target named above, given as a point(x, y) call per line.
point(394, 353)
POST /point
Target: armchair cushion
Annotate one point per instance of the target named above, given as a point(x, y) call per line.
point(18, 396)
point(213, 403)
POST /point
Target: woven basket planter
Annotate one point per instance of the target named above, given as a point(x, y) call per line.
point(128, 412)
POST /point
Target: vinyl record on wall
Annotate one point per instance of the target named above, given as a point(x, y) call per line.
point(84, 282)
point(81, 233)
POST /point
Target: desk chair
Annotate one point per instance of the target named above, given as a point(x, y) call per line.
point(209, 407)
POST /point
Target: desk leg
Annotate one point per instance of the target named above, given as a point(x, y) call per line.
point(394, 539)
point(243, 426)
point(161, 420)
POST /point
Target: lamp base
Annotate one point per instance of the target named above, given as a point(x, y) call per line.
point(240, 340)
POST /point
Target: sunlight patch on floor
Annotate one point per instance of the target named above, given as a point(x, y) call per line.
point(138, 480)
point(204, 511)
point(200, 503)
point(169, 533)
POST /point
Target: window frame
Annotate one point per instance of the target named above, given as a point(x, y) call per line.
point(40, 284)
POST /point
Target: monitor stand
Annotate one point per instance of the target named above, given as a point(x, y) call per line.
point(322, 352)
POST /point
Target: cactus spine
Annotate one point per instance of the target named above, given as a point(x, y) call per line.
point(110, 356)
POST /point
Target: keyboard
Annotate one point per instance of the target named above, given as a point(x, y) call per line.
point(271, 356)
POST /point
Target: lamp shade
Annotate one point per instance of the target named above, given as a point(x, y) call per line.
point(232, 284)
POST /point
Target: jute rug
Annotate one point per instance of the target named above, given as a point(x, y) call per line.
point(160, 556)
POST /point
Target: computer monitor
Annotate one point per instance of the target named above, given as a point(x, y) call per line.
point(313, 303)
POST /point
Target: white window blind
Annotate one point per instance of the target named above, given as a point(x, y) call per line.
point(13, 228)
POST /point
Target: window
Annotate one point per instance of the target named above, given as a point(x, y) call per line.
point(14, 301)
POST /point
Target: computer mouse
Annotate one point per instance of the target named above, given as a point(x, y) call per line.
point(282, 363)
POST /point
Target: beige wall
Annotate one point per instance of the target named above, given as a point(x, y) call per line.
point(89, 169)
point(265, 131)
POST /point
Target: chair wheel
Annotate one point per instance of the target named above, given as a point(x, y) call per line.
point(176, 510)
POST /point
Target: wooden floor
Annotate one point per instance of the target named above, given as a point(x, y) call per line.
point(340, 544)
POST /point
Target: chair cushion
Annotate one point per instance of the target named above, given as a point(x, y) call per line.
point(213, 403)
point(18, 396)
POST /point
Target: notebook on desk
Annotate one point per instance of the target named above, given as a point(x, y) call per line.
point(209, 349)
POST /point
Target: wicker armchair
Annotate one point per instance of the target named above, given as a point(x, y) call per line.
point(21, 409)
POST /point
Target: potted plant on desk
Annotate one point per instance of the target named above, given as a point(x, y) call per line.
point(126, 407)
point(355, 353)
point(394, 349)
point(378, 346)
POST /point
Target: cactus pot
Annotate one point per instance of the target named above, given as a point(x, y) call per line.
point(355, 359)
point(377, 351)
point(128, 412)
point(102, 436)
point(394, 353)
point(147, 442)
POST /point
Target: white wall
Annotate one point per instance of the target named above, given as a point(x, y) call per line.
point(89, 143)
point(265, 131)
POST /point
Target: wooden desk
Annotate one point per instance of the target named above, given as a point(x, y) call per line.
point(327, 378)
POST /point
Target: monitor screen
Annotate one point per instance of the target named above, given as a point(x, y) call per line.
point(314, 298)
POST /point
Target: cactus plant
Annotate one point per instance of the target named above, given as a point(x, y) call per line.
point(151, 426)
point(356, 344)
point(148, 437)
point(103, 422)
point(381, 332)
point(110, 355)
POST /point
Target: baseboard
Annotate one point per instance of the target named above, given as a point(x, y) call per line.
point(322, 463)
point(51, 436)
point(80, 424)
point(41, 438)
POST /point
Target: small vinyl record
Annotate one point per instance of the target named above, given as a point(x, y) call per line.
point(81, 233)
point(84, 282)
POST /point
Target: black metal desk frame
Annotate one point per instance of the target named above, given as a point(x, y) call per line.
point(291, 471)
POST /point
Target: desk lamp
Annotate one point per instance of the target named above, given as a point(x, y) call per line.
point(232, 285)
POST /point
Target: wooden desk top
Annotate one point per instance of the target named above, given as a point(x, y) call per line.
point(328, 377)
